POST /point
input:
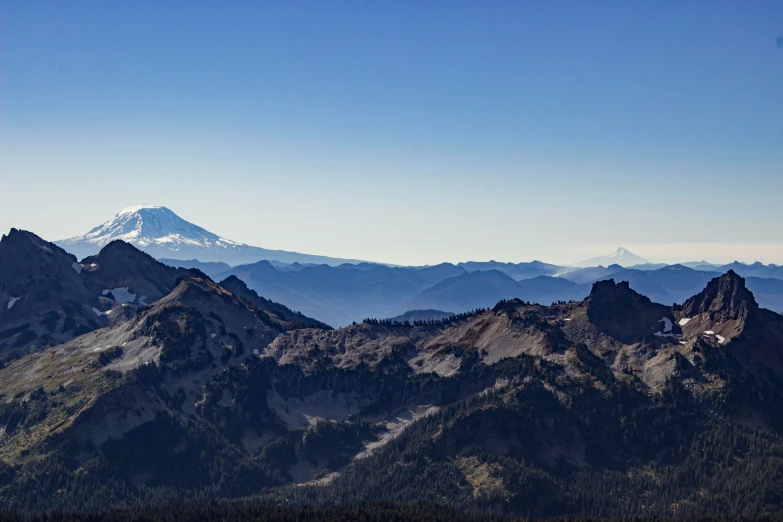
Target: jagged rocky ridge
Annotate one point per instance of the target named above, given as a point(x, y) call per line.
point(53, 298)
point(212, 392)
point(43, 296)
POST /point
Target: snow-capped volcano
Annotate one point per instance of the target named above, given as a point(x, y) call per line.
point(163, 234)
point(621, 256)
point(145, 225)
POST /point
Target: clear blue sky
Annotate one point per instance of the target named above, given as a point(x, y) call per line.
point(407, 132)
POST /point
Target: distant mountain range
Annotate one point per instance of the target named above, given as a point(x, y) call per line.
point(413, 316)
point(166, 236)
point(671, 284)
point(341, 291)
point(163, 234)
point(343, 294)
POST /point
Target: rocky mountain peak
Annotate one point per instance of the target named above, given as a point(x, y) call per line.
point(619, 311)
point(608, 290)
point(119, 252)
point(43, 298)
point(234, 285)
point(23, 256)
point(21, 242)
point(138, 276)
point(610, 298)
point(190, 290)
point(119, 247)
point(725, 298)
point(14, 236)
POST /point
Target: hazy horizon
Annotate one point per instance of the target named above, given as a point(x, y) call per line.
point(660, 253)
point(408, 133)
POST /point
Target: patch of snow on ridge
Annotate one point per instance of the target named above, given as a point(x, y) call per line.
point(721, 339)
point(99, 313)
point(121, 295)
point(709, 332)
point(667, 324)
point(12, 302)
point(684, 321)
point(76, 266)
point(667, 328)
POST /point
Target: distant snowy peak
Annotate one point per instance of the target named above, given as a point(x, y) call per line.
point(621, 256)
point(146, 224)
point(620, 253)
point(163, 234)
point(137, 208)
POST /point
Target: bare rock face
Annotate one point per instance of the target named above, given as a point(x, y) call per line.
point(628, 316)
point(725, 299)
point(28, 263)
point(138, 278)
point(753, 335)
point(43, 299)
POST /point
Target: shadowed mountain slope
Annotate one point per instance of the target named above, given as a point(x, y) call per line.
point(237, 287)
point(43, 297)
point(520, 408)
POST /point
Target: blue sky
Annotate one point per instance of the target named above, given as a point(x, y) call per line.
point(406, 132)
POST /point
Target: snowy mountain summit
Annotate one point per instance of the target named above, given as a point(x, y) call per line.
point(621, 256)
point(163, 234)
point(146, 225)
